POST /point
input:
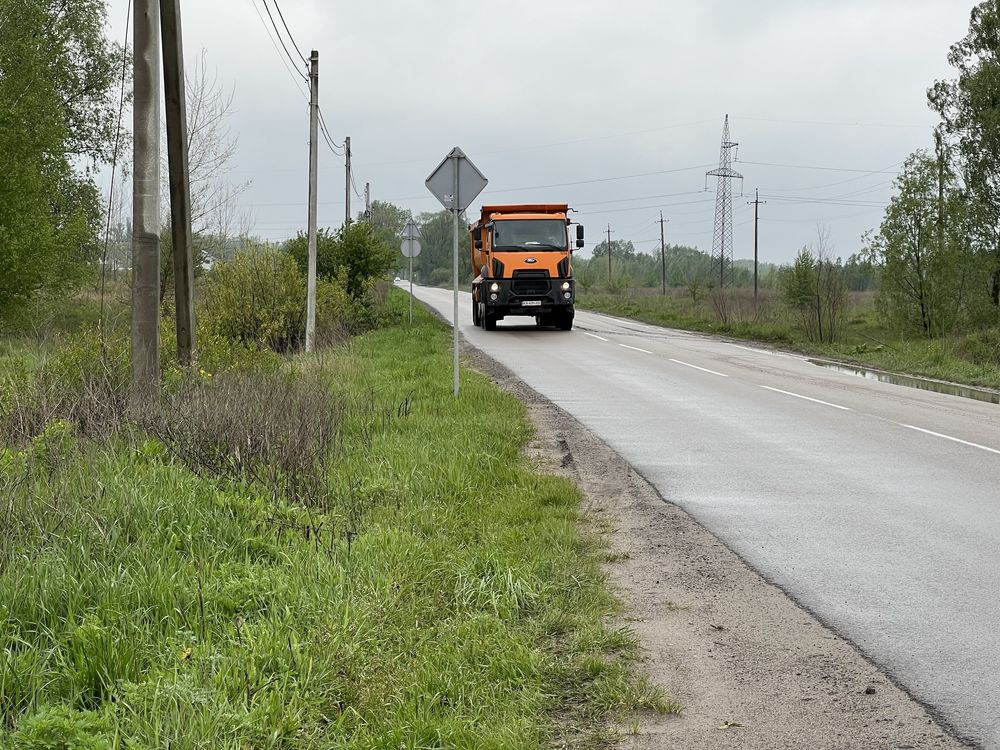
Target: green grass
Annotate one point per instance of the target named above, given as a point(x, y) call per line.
point(443, 596)
point(972, 359)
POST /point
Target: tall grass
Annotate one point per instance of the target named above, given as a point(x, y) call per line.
point(440, 595)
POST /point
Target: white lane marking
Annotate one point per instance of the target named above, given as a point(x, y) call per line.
point(593, 335)
point(805, 398)
point(635, 348)
point(949, 437)
point(695, 367)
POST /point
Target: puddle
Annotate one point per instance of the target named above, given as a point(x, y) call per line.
point(936, 386)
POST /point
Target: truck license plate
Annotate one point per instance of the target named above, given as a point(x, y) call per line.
point(531, 303)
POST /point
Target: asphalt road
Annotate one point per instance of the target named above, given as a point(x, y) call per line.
point(876, 506)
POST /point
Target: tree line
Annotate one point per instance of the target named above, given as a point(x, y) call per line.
point(938, 248)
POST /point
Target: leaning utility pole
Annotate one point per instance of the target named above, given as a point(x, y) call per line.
point(722, 241)
point(347, 187)
point(146, 195)
point(609, 257)
point(179, 177)
point(756, 203)
point(313, 180)
point(663, 252)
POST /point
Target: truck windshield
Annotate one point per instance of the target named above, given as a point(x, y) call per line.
point(529, 234)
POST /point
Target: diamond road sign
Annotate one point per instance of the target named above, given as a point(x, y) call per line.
point(442, 182)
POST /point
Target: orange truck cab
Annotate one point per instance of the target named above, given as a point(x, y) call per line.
point(522, 254)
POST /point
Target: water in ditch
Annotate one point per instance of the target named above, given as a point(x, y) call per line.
point(936, 386)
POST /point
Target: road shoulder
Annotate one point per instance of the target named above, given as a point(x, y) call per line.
point(751, 668)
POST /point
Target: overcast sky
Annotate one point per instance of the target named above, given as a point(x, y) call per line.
point(614, 107)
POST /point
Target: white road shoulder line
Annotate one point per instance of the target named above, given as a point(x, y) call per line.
point(635, 348)
point(593, 336)
point(695, 367)
point(949, 437)
point(805, 398)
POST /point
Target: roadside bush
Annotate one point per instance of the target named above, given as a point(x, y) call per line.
point(354, 254)
point(257, 299)
point(84, 383)
point(276, 430)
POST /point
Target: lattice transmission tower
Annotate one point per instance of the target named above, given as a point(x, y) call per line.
point(722, 241)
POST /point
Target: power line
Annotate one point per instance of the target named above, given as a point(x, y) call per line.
point(551, 145)
point(842, 182)
point(599, 179)
point(297, 79)
point(834, 124)
point(289, 31)
point(281, 38)
point(821, 169)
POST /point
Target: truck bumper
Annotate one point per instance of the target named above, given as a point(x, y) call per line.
point(506, 297)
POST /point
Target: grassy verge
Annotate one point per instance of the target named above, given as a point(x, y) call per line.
point(972, 359)
point(431, 591)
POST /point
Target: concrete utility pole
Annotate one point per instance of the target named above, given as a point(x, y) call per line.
point(313, 187)
point(146, 195)
point(756, 203)
point(663, 252)
point(609, 257)
point(179, 177)
point(347, 187)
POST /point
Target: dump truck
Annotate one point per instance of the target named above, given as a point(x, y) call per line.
point(522, 256)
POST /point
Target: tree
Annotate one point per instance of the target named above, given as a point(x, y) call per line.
point(215, 215)
point(968, 107)
point(921, 249)
point(434, 264)
point(831, 289)
point(354, 252)
point(57, 121)
point(798, 291)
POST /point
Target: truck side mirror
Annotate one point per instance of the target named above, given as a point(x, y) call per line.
point(579, 235)
point(477, 238)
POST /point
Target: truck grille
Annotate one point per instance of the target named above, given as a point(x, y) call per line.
point(531, 282)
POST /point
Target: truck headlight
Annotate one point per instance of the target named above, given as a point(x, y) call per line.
point(494, 287)
point(566, 286)
point(567, 295)
point(493, 297)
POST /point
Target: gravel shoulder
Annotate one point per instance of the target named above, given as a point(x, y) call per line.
point(751, 668)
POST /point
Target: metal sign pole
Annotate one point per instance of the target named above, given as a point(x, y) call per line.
point(411, 249)
point(447, 188)
point(457, 210)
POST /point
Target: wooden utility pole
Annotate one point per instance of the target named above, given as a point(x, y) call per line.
point(756, 203)
point(347, 185)
point(609, 257)
point(313, 185)
point(663, 252)
point(179, 177)
point(146, 195)
point(368, 203)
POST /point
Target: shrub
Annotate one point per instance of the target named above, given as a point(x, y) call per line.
point(63, 728)
point(275, 430)
point(981, 347)
point(85, 383)
point(355, 254)
point(257, 299)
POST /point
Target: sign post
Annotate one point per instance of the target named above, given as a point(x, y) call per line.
point(456, 183)
point(411, 249)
